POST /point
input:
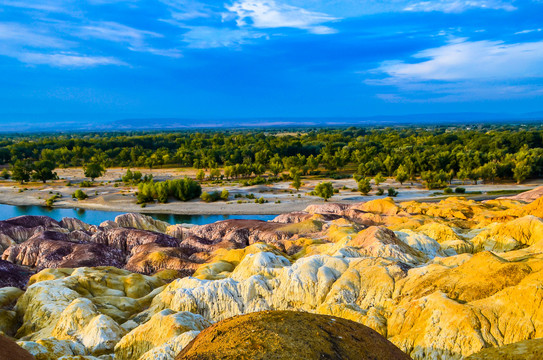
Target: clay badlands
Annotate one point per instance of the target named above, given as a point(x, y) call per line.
point(450, 280)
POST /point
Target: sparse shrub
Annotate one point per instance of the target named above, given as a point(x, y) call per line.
point(50, 201)
point(225, 194)
point(379, 192)
point(5, 174)
point(392, 192)
point(79, 195)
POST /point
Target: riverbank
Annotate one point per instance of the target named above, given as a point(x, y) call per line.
point(280, 197)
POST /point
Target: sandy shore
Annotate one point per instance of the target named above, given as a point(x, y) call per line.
point(280, 196)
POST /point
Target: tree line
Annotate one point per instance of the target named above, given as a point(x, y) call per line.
point(435, 154)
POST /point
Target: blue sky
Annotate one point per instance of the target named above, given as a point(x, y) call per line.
point(112, 59)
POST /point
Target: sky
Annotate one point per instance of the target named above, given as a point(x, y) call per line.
point(102, 60)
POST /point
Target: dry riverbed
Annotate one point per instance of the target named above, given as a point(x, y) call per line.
point(281, 196)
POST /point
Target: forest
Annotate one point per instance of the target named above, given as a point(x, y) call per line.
point(435, 154)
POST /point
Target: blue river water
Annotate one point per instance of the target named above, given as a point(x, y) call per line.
point(95, 217)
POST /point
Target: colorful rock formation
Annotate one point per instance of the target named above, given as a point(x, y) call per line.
point(442, 280)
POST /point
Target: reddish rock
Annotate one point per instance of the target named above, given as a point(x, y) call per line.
point(125, 239)
point(241, 233)
point(13, 275)
point(22, 228)
point(9, 350)
point(292, 217)
point(290, 335)
point(51, 249)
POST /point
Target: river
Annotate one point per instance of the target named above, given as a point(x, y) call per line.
point(95, 217)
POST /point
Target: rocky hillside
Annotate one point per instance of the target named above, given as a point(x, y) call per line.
point(438, 280)
point(287, 335)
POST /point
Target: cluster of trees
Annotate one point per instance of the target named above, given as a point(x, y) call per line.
point(215, 196)
point(41, 170)
point(181, 189)
point(487, 152)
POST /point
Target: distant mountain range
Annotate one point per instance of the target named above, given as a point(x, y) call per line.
point(138, 124)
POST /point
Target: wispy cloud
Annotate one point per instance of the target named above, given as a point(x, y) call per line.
point(266, 14)
point(458, 6)
point(204, 37)
point(59, 6)
point(463, 59)
point(36, 46)
point(481, 68)
point(112, 31)
point(67, 59)
point(14, 35)
point(528, 31)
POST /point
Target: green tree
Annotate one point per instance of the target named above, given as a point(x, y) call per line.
point(94, 170)
point(200, 175)
point(43, 171)
point(5, 174)
point(214, 174)
point(128, 177)
point(296, 182)
point(389, 165)
point(276, 168)
point(136, 176)
point(463, 175)
point(402, 174)
point(21, 171)
point(324, 190)
point(224, 195)
point(522, 170)
point(162, 192)
point(364, 186)
point(379, 179)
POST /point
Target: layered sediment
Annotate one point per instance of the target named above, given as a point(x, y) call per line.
point(442, 280)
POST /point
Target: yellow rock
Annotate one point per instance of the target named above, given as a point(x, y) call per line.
point(82, 322)
point(534, 208)
point(438, 232)
point(225, 261)
point(385, 206)
point(52, 349)
point(522, 232)
point(483, 275)
point(161, 328)
point(523, 350)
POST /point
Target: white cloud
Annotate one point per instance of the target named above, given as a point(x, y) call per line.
point(458, 6)
point(66, 59)
point(59, 6)
point(115, 32)
point(36, 46)
point(471, 60)
point(17, 35)
point(528, 31)
point(266, 14)
point(204, 37)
